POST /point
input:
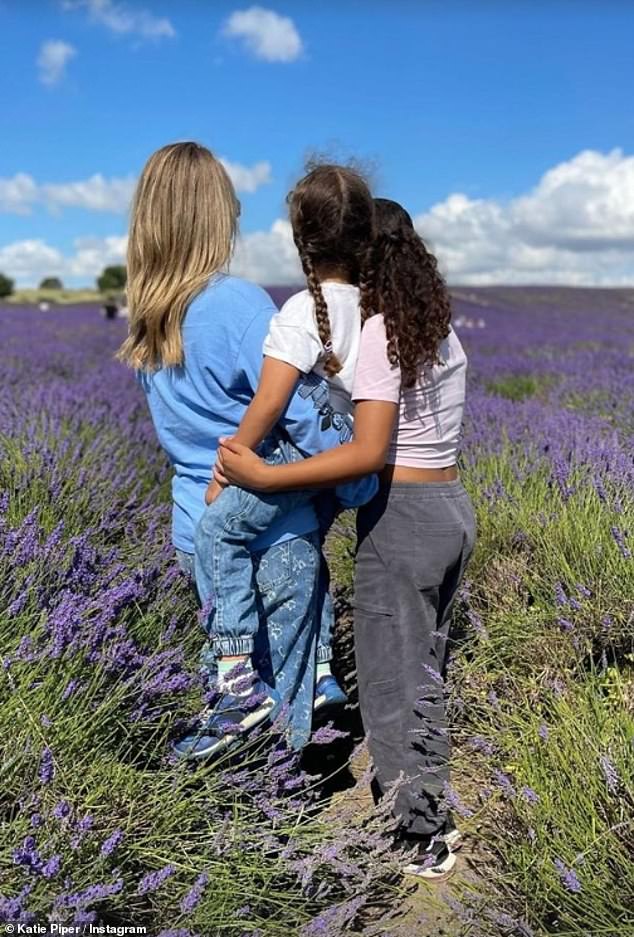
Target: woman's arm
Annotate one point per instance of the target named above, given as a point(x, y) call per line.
point(373, 426)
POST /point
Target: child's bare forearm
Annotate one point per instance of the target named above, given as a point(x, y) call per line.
point(258, 421)
point(277, 383)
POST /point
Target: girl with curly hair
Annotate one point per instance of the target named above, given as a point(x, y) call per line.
point(414, 538)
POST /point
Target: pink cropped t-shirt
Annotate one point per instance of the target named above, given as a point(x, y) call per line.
point(429, 426)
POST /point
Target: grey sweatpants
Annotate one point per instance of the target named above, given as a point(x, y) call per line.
point(414, 542)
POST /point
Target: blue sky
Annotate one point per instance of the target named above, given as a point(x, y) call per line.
point(504, 127)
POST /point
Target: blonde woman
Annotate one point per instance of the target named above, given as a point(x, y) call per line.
point(196, 337)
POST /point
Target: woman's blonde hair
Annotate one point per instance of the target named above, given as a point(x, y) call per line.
point(182, 229)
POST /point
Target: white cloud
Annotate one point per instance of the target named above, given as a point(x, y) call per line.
point(31, 260)
point(268, 257)
point(28, 261)
point(248, 178)
point(119, 18)
point(21, 193)
point(18, 194)
point(53, 57)
point(576, 226)
point(93, 254)
point(265, 34)
point(94, 194)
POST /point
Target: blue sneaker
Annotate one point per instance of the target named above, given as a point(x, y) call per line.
point(229, 722)
point(328, 694)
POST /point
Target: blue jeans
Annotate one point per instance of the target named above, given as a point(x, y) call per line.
point(224, 566)
point(286, 582)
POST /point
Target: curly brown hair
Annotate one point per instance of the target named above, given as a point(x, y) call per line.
point(332, 217)
point(402, 283)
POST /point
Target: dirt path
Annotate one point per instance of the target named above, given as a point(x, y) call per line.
point(426, 911)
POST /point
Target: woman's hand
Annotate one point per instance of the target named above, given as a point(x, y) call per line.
point(239, 465)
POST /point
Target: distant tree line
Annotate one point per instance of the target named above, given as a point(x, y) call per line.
point(51, 283)
point(111, 280)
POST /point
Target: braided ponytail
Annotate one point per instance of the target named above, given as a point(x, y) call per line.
point(331, 363)
point(332, 216)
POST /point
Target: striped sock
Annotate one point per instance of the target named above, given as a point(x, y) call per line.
point(323, 669)
point(228, 680)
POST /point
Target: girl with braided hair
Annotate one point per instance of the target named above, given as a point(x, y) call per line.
point(416, 535)
point(311, 348)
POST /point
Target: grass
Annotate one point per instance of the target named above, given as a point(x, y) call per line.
point(551, 654)
point(58, 297)
point(99, 645)
point(521, 386)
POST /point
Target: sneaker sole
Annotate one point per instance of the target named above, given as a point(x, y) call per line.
point(436, 873)
point(322, 702)
point(252, 721)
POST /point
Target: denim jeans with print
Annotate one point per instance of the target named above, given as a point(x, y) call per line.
point(229, 526)
point(286, 581)
point(224, 567)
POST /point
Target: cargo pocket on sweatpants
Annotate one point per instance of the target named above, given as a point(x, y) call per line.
point(382, 720)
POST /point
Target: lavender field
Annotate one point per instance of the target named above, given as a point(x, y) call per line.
point(99, 642)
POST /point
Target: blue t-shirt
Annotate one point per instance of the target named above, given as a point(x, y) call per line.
point(192, 406)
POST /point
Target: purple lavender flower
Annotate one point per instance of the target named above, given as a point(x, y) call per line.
point(91, 895)
point(27, 854)
point(477, 624)
point(327, 734)
point(194, 895)
point(436, 677)
point(455, 803)
point(62, 810)
point(51, 868)
point(543, 732)
point(529, 795)
point(10, 909)
point(568, 877)
point(480, 744)
point(619, 539)
point(47, 768)
point(71, 687)
point(152, 881)
point(82, 828)
point(504, 783)
point(109, 845)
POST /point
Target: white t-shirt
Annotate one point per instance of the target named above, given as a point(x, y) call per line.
point(294, 338)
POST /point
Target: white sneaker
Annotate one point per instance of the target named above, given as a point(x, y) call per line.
point(434, 863)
